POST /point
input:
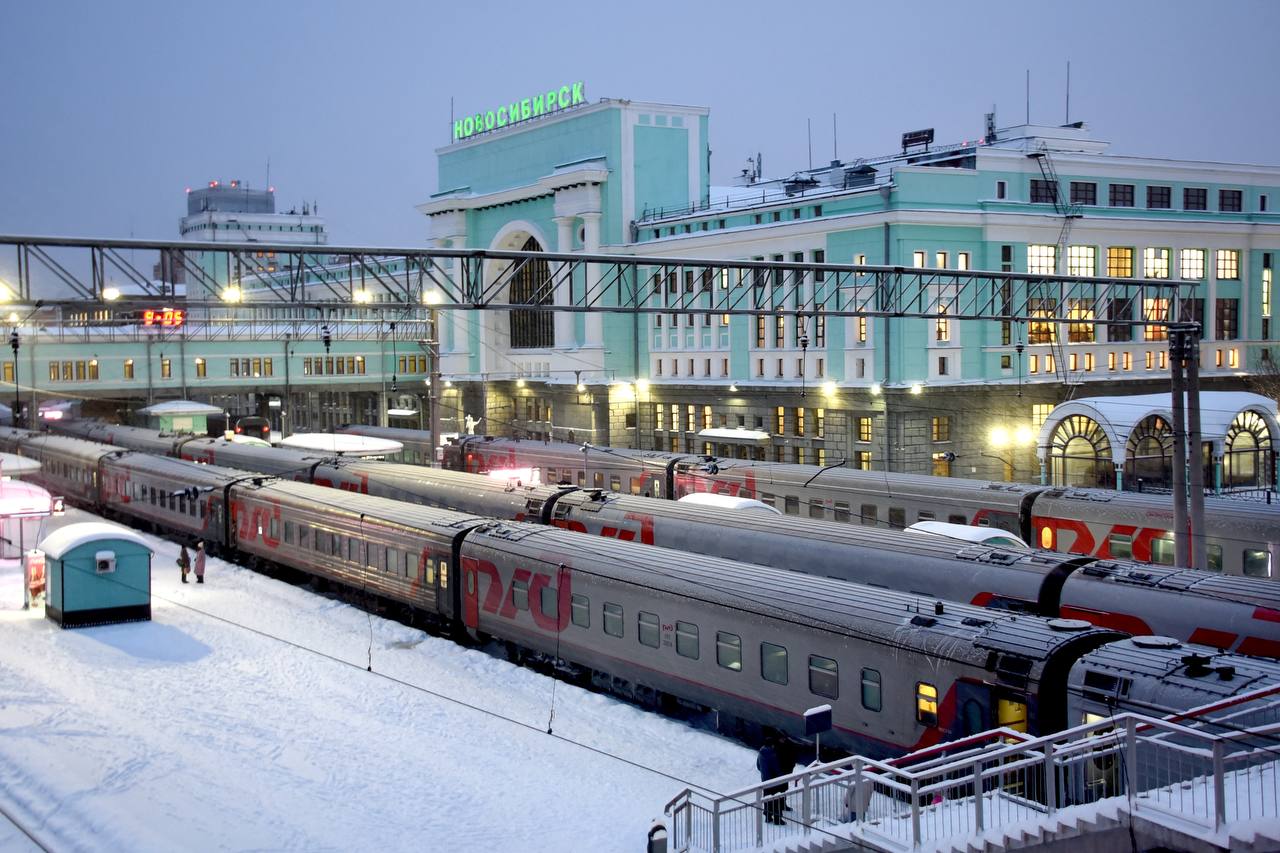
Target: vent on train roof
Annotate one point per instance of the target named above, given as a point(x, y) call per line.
point(975, 622)
point(924, 621)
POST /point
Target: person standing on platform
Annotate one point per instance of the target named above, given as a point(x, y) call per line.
point(184, 562)
point(770, 768)
point(200, 562)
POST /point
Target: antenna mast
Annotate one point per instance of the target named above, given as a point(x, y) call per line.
point(809, 124)
point(1068, 92)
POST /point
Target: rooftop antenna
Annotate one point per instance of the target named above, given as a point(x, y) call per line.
point(809, 124)
point(759, 166)
point(835, 139)
point(451, 118)
point(268, 172)
point(1068, 92)
point(1028, 96)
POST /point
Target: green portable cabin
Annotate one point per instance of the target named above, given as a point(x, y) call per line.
point(98, 573)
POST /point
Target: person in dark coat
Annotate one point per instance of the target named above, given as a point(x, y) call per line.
point(184, 562)
point(200, 562)
point(770, 767)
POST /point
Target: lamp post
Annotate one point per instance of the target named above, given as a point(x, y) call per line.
point(17, 390)
point(1005, 443)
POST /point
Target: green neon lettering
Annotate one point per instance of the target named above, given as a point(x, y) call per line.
point(489, 120)
point(577, 94)
point(551, 100)
point(513, 113)
point(502, 116)
point(468, 126)
point(537, 106)
point(564, 97)
point(457, 129)
point(524, 109)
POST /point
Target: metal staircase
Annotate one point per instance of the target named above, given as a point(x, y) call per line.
point(1069, 212)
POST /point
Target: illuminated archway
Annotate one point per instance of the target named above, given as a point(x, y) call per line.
point(1149, 455)
point(1246, 452)
point(531, 285)
point(1080, 454)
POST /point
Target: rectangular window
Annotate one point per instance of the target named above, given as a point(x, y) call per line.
point(53, 371)
point(549, 602)
point(864, 429)
point(1082, 260)
point(1191, 264)
point(1229, 264)
point(917, 260)
point(649, 630)
point(519, 591)
point(1122, 195)
point(128, 368)
point(1159, 198)
point(166, 368)
point(799, 421)
point(1230, 201)
point(687, 640)
point(1084, 192)
point(729, 651)
point(1002, 189)
point(1042, 259)
point(760, 332)
point(1043, 192)
point(1155, 263)
point(862, 460)
point(824, 677)
point(1195, 198)
point(862, 330)
point(940, 260)
point(871, 689)
point(942, 326)
point(941, 427)
point(926, 704)
point(613, 619)
point(1266, 293)
point(779, 332)
point(1227, 319)
point(200, 367)
point(1042, 331)
point(1156, 310)
point(1080, 312)
point(773, 663)
point(67, 371)
point(1119, 262)
point(1257, 564)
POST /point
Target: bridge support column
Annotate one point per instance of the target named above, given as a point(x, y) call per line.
point(591, 245)
point(564, 331)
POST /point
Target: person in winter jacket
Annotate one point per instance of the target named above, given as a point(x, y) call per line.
point(200, 562)
point(770, 767)
point(184, 562)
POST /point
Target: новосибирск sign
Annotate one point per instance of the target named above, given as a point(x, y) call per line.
point(553, 100)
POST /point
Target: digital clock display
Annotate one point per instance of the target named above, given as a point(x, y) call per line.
point(170, 317)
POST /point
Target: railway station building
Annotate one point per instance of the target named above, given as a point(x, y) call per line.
point(904, 394)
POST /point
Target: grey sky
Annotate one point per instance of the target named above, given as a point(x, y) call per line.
point(111, 110)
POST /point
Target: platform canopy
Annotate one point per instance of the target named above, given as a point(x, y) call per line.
point(342, 444)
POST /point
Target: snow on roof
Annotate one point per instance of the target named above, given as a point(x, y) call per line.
point(12, 465)
point(343, 444)
point(18, 497)
point(734, 434)
point(180, 407)
point(66, 538)
point(1119, 416)
point(728, 502)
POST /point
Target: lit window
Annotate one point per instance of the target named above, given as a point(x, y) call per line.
point(1042, 331)
point(1080, 313)
point(862, 330)
point(1155, 263)
point(917, 259)
point(926, 704)
point(1119, 262)
point(1229, 264)
point(200, 367)
point(1128, 360)
point(1266, 292)
point(1155, 309)
point(940, 260)
point(962, 260)
point(942, 326)
point(1191, 264)
point(1042, 259)
point(1082, 260)
point(128, 368)
point(1040, 413)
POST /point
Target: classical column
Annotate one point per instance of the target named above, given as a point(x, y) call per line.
point(591, 245)
point(564, 319)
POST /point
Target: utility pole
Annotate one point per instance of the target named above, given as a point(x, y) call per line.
point(1195, 482)
point(1188, 452)
point(1176, 386)
point(433, 398)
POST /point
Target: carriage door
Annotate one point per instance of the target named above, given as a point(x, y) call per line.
point(1011, 713)
point(470, 593)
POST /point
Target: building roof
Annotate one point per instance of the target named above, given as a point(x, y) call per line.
point(12, 465)
point(64, 539)
point(180, 407)
point(20, 498)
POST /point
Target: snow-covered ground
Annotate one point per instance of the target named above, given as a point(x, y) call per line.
point(242, 717)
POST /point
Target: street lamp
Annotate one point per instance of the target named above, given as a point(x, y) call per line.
point(1005, 443)
point(14, 344)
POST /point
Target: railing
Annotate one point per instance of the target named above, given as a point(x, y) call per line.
point(1207, 768)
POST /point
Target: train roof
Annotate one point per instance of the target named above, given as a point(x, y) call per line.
point(1242, 590)
point(412, 516)
point(896, 619)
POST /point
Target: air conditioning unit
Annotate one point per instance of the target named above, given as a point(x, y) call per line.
point(104, 562)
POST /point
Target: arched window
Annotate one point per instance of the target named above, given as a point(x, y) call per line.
point(1081, 454)
point(1149, 455)
point(1248, 443)
point(531, 285)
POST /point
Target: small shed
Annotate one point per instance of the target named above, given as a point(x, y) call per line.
point(180, 416)
point(98, 573)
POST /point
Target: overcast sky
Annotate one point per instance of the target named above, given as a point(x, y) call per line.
point(110, 110)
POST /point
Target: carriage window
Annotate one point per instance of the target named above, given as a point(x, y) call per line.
point(376, 556)
point(957, 519)
point(897, 518)
point(303, 540)
point(613, 619)
point(842, 512)
point(582, 478)
point(773, 663)
point(870, 515)
point(687, 640)
point(520, 594)
point(288, 533)
point(273, 526)
point(430, 578)
point(615, 483)
point(649, 630)
point(1257, 564)
point(729, 651)
point(924, 515)
point(1121, 545)
point(926, 704)
point(549, 602)
point(817, 510)
point(792, 505)
point(182, 504)
point(597, 480)
point(444, 573)
point(766, 499)
point(824, 677)
point(580, 610)
point(871, 689)
point(1214, 553)
point(1162, 550)
point(393, 559)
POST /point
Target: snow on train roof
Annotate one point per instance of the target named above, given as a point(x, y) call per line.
point(180, 407)
point(343, 444)
point(13, 465)
point(729, 502)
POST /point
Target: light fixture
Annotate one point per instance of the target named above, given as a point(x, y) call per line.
point(361, 296)
point(6, 292)
point(519, 383)
point(733, 388)
point(1023, 435)
point(432, 297)
point(642, 384)
point(875, 389)
point(448, 383)
point(999, 437)
point(828, 388)
point(916, 388)
point(13, 317)
point(231, 294)
point(111, 294)
point(581, 387)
